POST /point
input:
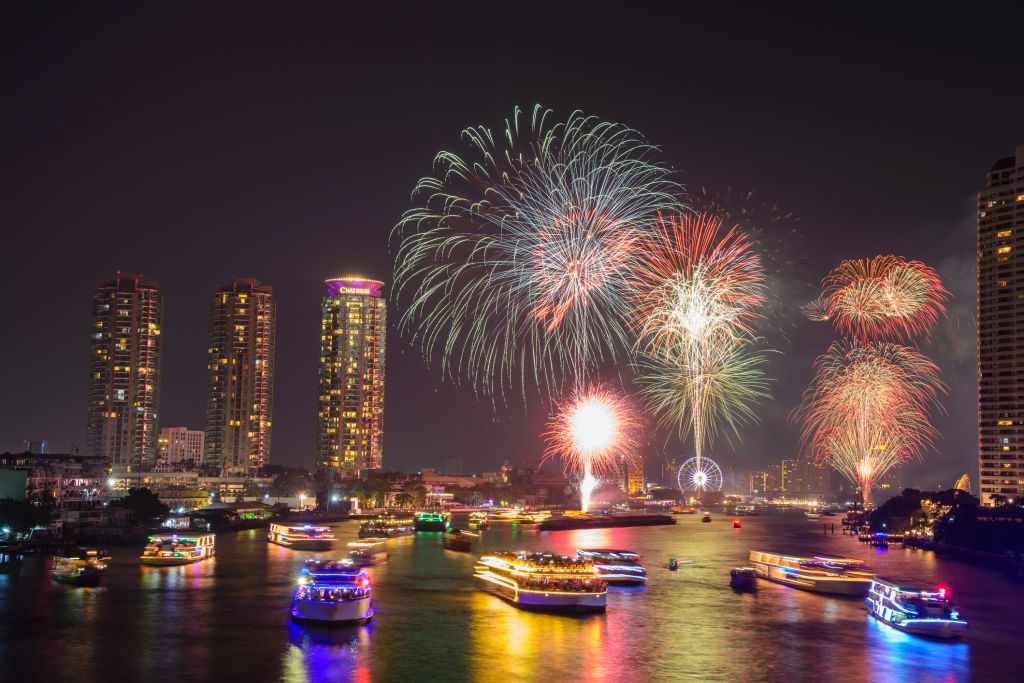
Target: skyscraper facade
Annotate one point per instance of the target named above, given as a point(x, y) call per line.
point(124, 387)
point(351, 398)
point(179, 448)
point(240, 377)
point(1001, 330)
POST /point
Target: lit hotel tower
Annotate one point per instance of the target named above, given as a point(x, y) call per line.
point(1001, 330)
point(240, 377)
point(124, 387)
point(351, 399)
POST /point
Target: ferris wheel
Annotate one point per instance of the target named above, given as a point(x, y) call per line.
point(707, 476)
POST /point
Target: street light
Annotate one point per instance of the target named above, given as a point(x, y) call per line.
point(302, 497)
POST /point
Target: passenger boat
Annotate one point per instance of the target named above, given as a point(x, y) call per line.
point(332, 592)
point(88, 568)
point(879, 539)
point(517, 516)
point(386, 527)
point(615, 567)
point(914, 607)
point(543, 582)
point(165, 550)
point(746, 510)
point(743, 578)
point(11, 559)
point(460, 541)
point(430, 521)
point(811, 514)
point(304, 537)
point(682, 510)
point(821, 574)
point(367, 553)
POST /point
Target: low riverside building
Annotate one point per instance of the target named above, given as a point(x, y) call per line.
point(74, 481)
point(189, 490)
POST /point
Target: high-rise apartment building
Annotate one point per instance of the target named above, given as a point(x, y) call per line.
point(633, 479)
point(1001, 330)
point(124, 386)
point(178, 449)
point(351, 398)
point(240, 377)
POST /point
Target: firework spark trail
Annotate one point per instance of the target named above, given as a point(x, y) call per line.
point(515, 260)
point(867, 408)
point(592, 433)
point(696, 294)
point(884, 298)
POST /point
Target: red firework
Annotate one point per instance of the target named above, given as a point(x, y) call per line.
point(886, 297)
point(592, 432)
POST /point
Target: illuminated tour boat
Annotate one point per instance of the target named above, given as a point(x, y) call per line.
point(517, 516)
point(88, 568)
point(332, 592)
point(458, 540)
point(616, 567)
point(166, 550)
point(821, 574)
point(305, 537)
point(430, 521)
point(543, 582)
point(367, 553)
point(915, 608)
point(386, 527)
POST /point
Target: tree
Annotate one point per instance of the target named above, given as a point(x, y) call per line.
point(144, 504)
point(404, 500)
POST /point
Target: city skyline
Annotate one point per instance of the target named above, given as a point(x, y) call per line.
point(316, 215)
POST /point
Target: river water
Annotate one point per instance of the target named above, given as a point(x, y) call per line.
point(226, 619)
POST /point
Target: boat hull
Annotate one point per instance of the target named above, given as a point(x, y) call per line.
point(945, 629)
point(338, 613)
point(171, 561)
point(829, 585)
point(82, 580)
point(563, 603)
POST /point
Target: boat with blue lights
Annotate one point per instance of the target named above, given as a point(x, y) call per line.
point(615, 567)
point(165, 550)
point(915, 607)
point(543, 582)
point(332, 592)
point(86, 568)
point(820, 574)
point(301, 537)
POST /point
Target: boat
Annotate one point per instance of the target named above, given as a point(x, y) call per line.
point(460, 541)
point(332, 592)
point(615, 567)
point(743, 578)
point(167, 550)
point(304, 537)
point(879, 539)
point(812, 515)
point(706, 518)
point(430, 521)
point(479, 520)
point(673, 564)
point(820, 574)
point(367, 553)
point(682, 510)
point(518, 516)
point(737, 524)
point(746, 510)
point(87, 568)
point(542, 581)
point(915, 607)
point(11, 559)
point(386, 527)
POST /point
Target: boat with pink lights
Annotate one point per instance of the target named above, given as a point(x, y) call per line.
point(333, 592)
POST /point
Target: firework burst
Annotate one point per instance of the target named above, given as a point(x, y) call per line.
point(868, 408)
point(514, 262)
point(696, 294)
point(591, 434)
point(885, 297)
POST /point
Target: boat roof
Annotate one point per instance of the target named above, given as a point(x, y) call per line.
point(908, 585)
point(820, 557)
point(607, 551)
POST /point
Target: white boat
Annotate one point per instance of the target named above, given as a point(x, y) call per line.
point(821, 574)
point(303, 537)
point(543, 582)
point(615, 567)
point(811, 514)
point(172, 549)
point(332, 592)
point(367, 553)
point(915, 607)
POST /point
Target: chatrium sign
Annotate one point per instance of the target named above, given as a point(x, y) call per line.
point(353, 286)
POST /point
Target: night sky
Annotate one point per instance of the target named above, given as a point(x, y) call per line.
point(193, 143)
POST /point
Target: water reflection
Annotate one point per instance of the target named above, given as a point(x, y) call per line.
point(322, 653)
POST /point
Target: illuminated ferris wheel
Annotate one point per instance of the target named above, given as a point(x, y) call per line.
point(705, 476)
